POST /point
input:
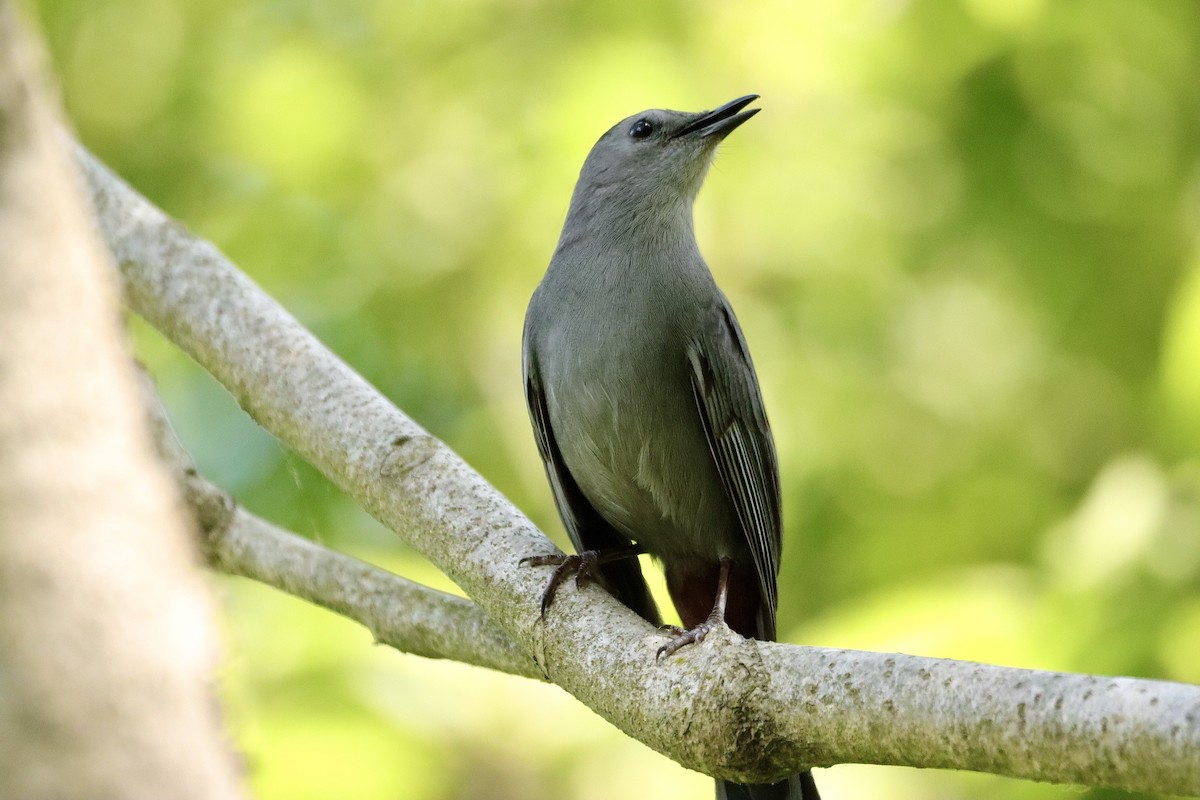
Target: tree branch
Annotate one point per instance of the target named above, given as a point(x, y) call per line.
point(399, 613)
point(729, 707)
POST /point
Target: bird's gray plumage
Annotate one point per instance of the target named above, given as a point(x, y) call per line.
point(643, 397)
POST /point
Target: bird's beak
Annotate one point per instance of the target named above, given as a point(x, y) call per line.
point(720, 121)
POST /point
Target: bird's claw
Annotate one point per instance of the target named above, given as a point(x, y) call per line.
point(584, 565)
point(681, 637)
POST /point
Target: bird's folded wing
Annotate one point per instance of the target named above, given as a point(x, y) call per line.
point(739, 437)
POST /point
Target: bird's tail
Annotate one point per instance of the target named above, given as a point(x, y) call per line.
point(797, 787)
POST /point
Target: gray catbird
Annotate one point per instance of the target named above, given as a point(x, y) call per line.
point(644, 400)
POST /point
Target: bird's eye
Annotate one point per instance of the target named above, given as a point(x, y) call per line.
point(641, 129)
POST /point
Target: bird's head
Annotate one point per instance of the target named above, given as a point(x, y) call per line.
point(656, 159)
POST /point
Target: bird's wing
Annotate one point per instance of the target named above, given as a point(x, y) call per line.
point(739, 436)
point(586, 527)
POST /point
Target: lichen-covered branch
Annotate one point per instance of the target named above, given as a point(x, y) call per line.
point(798, 706)
point(399, 613)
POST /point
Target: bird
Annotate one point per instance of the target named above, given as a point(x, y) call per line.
point(645, 403)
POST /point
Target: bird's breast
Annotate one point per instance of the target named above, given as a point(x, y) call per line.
point(620, 399)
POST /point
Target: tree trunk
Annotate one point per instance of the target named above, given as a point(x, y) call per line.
point(106, 631)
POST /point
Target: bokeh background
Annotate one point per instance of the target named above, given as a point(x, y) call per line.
point(961, 238)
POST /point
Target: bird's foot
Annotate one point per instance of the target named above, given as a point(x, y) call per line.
point(682, 637)
point(583, 565)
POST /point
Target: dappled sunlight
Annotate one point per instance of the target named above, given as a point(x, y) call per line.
point(1113, 527)
point(978, 615)
point(1181, 355)
point(963, 349)
point(296, 87)
point(120, 95)
point(1181, 641)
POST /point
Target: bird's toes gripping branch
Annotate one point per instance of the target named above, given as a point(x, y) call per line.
point(681, 637)
point(583, 565)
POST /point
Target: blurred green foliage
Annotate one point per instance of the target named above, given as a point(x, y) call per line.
point(961, 237)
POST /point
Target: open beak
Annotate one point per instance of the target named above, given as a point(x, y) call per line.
point(720, 121)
